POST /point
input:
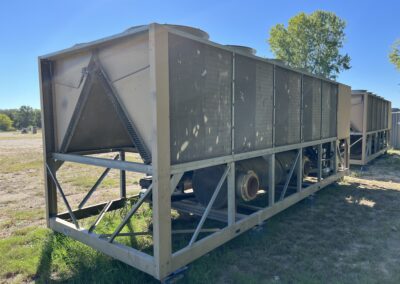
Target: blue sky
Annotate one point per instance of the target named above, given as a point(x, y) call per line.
point(32, 28)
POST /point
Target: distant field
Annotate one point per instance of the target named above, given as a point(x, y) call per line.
point(347, 233)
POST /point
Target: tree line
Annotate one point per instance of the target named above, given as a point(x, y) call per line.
point(25, 116)
point(313, 42)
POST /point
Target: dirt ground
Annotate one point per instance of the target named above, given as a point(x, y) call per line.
point(22, 188)
point(347, 233)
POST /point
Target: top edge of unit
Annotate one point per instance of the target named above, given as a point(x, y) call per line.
point(366, 92)
point(358, 91)
point(242, 48)
point(82, 46)
point(248, 52)
point(189, 32)
point(128, 32)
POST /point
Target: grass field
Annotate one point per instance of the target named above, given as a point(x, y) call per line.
point(347, 233)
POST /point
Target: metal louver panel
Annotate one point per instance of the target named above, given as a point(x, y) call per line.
point(311, 108)
point(329, 113)
point(253, 104)
point(287, 104)
point(200, 79)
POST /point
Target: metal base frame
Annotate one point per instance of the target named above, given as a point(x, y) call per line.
point(165, 178)
point(236, 224)
point(369, 152)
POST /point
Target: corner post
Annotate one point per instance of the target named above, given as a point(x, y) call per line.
point(48, 136)
point(159, 86)
point(271, 179)
point(231, 195)
point(319, 172)
point(364, 130)
point(335, 145)
point(300, 171)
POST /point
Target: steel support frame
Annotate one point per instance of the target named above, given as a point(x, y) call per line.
point(208, 243)
point(53, 160)
point(182, 257)
point(198, 248)
point(164, 261)
point(366, 138)
point(379, 136)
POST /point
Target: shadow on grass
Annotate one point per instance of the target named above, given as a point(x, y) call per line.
point(344, 233)
point(64, 260)
point(44, 268)
point(382, 168)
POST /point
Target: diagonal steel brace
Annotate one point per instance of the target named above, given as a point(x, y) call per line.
point(289, 177)
point(96, 185)
point(130, 213)
point(209, 206)
point(58, 186)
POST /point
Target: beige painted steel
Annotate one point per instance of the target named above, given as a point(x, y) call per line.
point(343, 111)
point(123, 253)
point(361, 112)
point(136, 62)
point(161, 160)
point(68, 80)
point(207, 244)
point(357, 112)
point(390, 116)
point(126, 63)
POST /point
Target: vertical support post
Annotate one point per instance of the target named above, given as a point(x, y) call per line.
point(271, 179)
point(302, 110)
point(274, 107)
point(335, 156)
point(122, 177)
point(231, 180)
point(233, 105)
point(300, 159)
point(159, 86)
point(231, 195)
point(300, 171)
point(46, 100)
point(319, 173)
point(348, 153)
point(364, 129)
point(369, 146)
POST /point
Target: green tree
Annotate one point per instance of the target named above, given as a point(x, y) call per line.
point(5, 122)
point(38, 118)
point(394, 55)
point(11, 113)
point(312, 42)
point(25, 117)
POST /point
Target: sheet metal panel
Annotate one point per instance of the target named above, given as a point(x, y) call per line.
point(329, 109)
point(68, 81)
point(386, 115)
point(200, 79)
point(126, 63)
point(357, 112)
point(344, 110)
point(311, 108)
point(253, 104)
point(381, 115)
point(369, 112)
point(333, 110)
point(374, 113)
point(287, 104)
point(98, 126)
point(395, 130)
